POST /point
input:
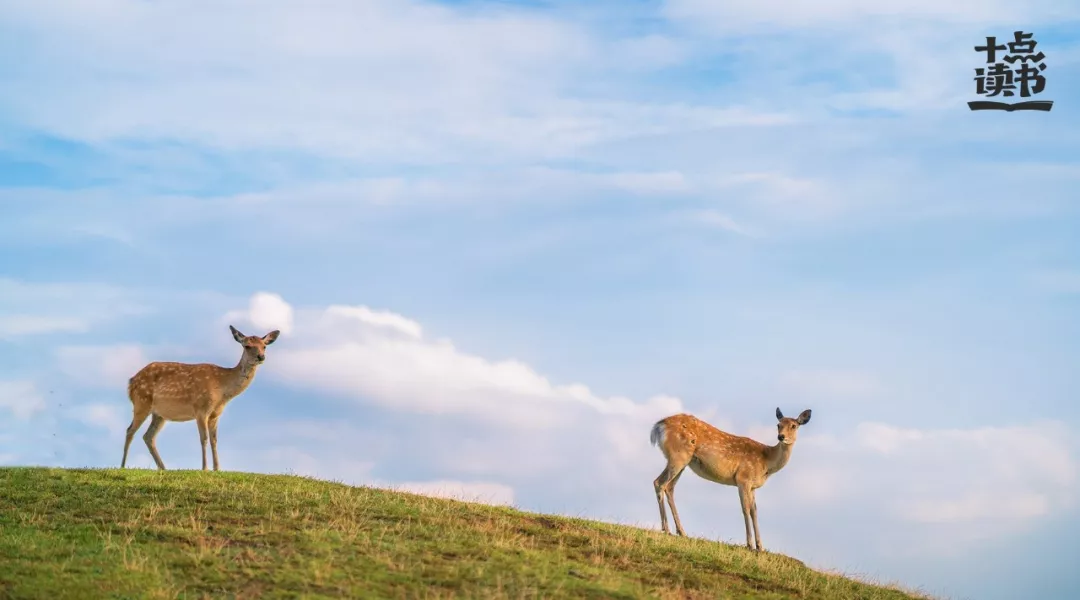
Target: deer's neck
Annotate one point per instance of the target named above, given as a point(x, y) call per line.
point(239, 377)
point(776, 457)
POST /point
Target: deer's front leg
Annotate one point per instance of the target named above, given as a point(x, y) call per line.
point(745, 500)
point(753, 518)
point(203, 435)
point(213, 423)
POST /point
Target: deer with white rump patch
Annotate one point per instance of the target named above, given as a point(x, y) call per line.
point(172, 391)
point(720, 457)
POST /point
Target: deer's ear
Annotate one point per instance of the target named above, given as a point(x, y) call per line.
point(779, 415)
point(804, 417)
point(236, 334)
point(270, 337)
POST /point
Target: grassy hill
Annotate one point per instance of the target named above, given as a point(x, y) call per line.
point(88, 533)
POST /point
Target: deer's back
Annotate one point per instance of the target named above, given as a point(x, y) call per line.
point(685, 430)
point(716, 455)
point(172, 379)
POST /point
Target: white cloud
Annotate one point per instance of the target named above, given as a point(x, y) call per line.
point(486, 493)
point(22, 398)
point(267, 312)
point(1031, 451)
point(108, 366)
point(962, 479)
point(110, 417)
point(818, 484)
point(714, 218)
point(379, 319)
point(283, 456)
point(382, 358)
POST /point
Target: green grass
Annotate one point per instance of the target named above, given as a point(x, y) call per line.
point(88, 533)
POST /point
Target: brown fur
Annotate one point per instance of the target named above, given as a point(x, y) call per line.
point(172, 391)
point(720, 457)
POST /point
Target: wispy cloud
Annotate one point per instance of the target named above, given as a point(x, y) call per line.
point(715, 218)
point(42, 308)
point(794, 14)
point(21, 398)
point(494, 88)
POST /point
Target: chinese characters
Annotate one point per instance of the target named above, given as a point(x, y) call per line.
point(1011, 68)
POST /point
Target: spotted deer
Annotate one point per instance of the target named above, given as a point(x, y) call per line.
point(172, 391)
point(720, 457)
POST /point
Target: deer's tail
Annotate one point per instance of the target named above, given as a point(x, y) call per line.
point(656, 436)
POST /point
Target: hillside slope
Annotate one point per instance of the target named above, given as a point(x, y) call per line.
point(143, 534)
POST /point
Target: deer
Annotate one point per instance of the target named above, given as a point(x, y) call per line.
point(173, 391)
point(723, 458)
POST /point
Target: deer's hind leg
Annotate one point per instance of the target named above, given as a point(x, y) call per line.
point(156, 423)
point(671, 500)
point(140, 407)
point(665, 487)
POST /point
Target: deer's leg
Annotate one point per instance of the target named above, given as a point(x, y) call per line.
point(140, 412)
point(663, 485)
point(212, 423)
point(658, 486)
point(204, 434)
point(753, 517)
point(156, 423)
point(745, 499)
point(671, 501)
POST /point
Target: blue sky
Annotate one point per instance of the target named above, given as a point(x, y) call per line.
point(502, 239)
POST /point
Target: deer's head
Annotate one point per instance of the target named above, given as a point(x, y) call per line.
point(254, 346)
point(788, 429)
